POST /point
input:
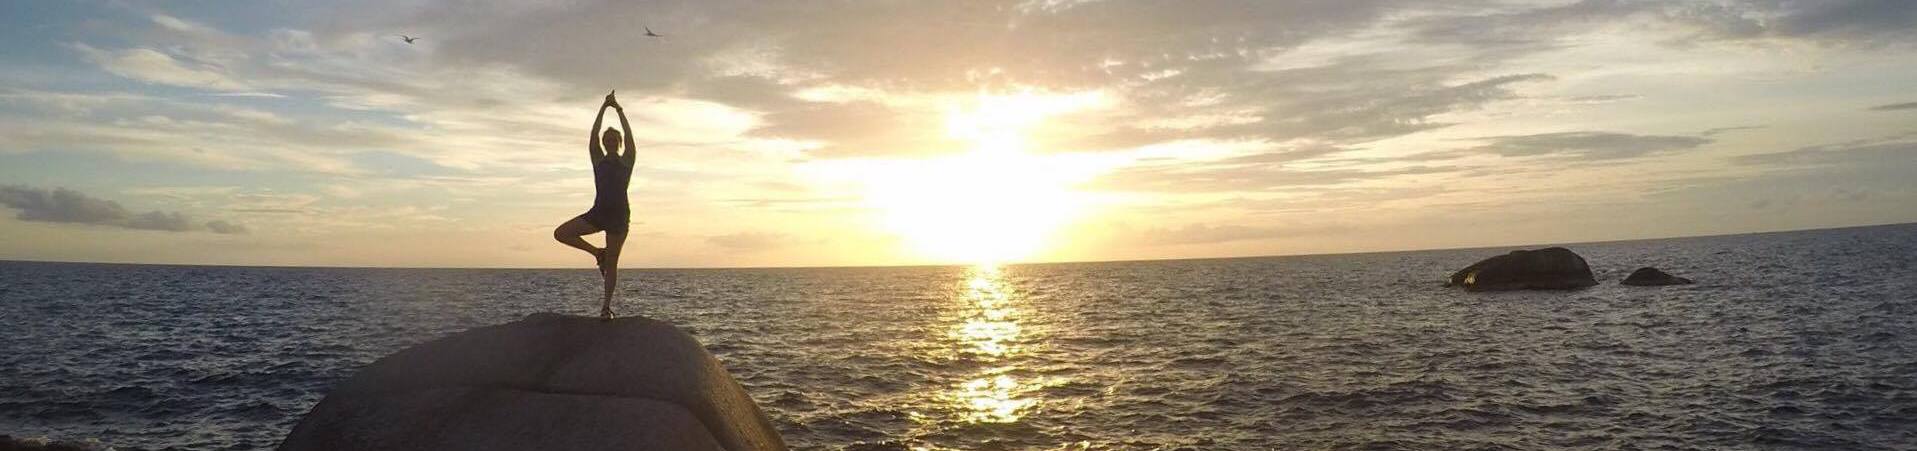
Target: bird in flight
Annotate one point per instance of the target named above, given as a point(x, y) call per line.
point(649, 32)
point(409, 39)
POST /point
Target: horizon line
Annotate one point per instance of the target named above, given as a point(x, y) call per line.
point(1069, 262)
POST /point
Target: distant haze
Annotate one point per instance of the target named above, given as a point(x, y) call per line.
point(887, 132)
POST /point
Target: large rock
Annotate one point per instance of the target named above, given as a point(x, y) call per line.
point(544, 382)
point(8, 443)
point(1551, 268)
point(1650, 277)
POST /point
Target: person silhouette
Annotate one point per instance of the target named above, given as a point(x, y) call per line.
point(610, 212)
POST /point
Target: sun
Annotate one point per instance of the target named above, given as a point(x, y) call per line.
point(997, 202)
point(974, 208)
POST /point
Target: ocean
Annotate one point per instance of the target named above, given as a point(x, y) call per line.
point(1788, 340)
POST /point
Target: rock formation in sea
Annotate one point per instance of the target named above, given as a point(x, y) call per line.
point(544, 382)
point(1552, 268)
point(1650, 277)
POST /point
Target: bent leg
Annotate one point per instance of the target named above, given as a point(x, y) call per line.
point(571, 231)
point(609, 269)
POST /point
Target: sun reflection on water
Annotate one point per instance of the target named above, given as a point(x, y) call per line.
point(989, 331)
point(993, 399)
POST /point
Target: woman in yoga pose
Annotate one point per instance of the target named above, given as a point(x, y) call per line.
point(610, 212)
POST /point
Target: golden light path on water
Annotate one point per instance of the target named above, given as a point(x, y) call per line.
point(989, 330)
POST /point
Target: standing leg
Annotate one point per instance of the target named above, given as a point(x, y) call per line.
point(571, 231)
point(609, 269)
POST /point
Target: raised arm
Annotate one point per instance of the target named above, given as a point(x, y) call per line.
point(592, 135)
point(631, 152)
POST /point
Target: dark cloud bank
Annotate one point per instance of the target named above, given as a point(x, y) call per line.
point(1896, 107)
point(61, 205)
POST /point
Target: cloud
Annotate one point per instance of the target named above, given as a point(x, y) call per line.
point(1896, 107)
point(1246, 174)
point(1602, 99)
point(750, 241)
point(169, 221)
point(1197, 71)
point(1205, 59)
point(265, 95)
point(1875, 170)
point(927, 46)
point(1389, 116)
point(1204, 234)
point(224, 227)
point(1156, 58)
point(285, 100)
point(859, 129)
point(1860, 181)
point(152, 66)
point(61, 205)
point(1853, 22)
point(1344, 103)
point(1294, 106)
point(1723, 130)
point(192, 132)
point(1586, 145)
point(1526, 27)
point(184, 26)
point(1874, 153)
point(1834, 22)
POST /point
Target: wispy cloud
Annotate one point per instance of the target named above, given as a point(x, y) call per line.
point(153, 66)
point(1248, 176)
point(1884, 153)
point(1722, 130)
point(1207, 234)
point(267, 95)
point(1585, 145)
point(225, 227)
point(1895, 107)
point(65, 206)
point(1831, 22)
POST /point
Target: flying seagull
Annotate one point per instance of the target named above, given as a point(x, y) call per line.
point(649, 32)
point(409, 39)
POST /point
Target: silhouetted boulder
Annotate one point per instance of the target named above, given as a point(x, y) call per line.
point(8, 443)
point(1552, 268)
point(544, 382)
point(1650, 277)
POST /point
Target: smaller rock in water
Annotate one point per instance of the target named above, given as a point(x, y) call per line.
point(1651, 277)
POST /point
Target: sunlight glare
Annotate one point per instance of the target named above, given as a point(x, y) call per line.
point(997, 202)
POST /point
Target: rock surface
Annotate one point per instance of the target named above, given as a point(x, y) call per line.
point(544, 382)
point(8, 443)
point(1651, 277)
point(1552, 268)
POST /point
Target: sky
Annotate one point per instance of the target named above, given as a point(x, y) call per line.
point(825, 133)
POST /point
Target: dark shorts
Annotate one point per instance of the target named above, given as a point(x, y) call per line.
point(609, 220)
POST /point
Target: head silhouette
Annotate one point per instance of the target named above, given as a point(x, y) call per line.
point(610, 140)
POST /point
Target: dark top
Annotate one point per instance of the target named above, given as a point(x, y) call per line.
point(610, 210)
